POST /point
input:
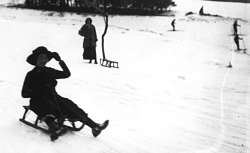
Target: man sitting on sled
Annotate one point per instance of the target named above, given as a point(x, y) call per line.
point(39, 85)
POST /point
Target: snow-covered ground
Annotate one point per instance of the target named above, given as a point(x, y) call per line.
point(172, 93)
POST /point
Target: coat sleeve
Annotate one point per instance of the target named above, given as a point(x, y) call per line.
point(57, 74)
point(81, 31)
point(95, 34)
point(26, 90)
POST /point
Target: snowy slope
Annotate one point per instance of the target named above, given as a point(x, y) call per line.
point(171, 94)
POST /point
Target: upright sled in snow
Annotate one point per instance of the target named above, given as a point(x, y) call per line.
point(105, 62)
point(68, 124)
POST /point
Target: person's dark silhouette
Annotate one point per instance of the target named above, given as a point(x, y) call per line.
point(235, 27)
point(40, 86)
point(236, 40)
point(173, 24)
point(90, 38)
point(201, 12)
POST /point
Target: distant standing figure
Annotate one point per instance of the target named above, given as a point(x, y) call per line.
point(90, 38)
point(235, 27)
point(201, 12)
point(173, 24)
point(236, 40)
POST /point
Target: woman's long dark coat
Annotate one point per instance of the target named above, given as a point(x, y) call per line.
point(89, 43)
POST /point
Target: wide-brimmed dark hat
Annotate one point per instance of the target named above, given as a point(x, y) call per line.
point(32, 59)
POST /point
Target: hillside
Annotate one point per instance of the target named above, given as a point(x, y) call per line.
point(173, 92)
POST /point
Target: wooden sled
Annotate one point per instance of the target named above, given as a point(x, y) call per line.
point(36, 124)
point(108, 63)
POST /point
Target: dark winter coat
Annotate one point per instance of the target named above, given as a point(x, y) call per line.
point(39, 85)
point(235, 25)
point(89, 33)
point(41, 81)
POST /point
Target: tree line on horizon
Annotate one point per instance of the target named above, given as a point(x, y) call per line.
point(118, 5)
point(242, 1)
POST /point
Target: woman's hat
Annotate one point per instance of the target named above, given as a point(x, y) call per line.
point(32, 59)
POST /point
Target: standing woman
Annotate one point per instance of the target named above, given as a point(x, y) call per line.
point(90, 38)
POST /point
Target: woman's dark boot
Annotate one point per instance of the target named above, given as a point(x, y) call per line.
point(50, 121)
point(98, 129)
point(54, 129)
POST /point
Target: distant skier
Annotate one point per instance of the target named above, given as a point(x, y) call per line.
point(88, 31)
point(235, 27)
point(173, 24)
point(39, 85)
point(236, 40)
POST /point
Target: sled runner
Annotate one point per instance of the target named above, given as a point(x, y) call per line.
point(63, 129)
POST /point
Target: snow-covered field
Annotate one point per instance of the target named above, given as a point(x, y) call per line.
point(172, 93)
